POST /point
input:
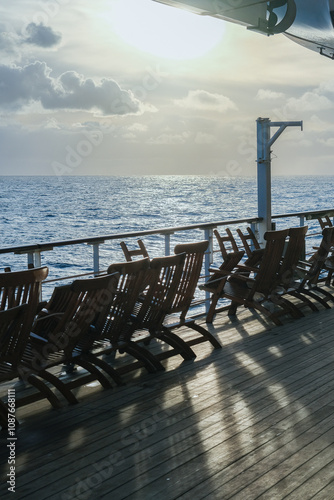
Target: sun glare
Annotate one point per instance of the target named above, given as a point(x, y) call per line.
point(163, 30)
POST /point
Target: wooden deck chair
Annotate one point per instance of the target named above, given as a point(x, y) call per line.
point(194, 255)
point(309, 273)
point(325, 221)
point(228, 246)
point(22, 287)
point(137, 252)
point(114, 331)
point(10, 342)
point(60, 343)
point(231, 259)
point(288, 273)
point(13, 339)
point(252, 247)
point(254, 291)
point(226, 243)
point(165, 276)
point(293, 254)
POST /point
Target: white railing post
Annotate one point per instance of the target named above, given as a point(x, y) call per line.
point(302, 223)
point(34, 258)
point(96, 258)
point(167, 243)
point(30, 256)
point(38, 259)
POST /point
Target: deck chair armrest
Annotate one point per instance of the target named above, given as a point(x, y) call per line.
point(244, 267)
point(47, 315)
point(216, 270)
point(37, 338)
point(42, 316)
point(302, 265)
point(242, 277)
point(217, 280)
point(41, 305)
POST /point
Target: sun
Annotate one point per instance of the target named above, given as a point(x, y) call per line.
point(163, 30)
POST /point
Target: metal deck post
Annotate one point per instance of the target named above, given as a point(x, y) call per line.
point(264, 143)
point(208, 260)
point(167, 243)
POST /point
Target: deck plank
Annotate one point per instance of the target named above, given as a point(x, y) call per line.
point(251, 420)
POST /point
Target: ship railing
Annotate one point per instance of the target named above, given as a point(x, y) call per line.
point(60, 256)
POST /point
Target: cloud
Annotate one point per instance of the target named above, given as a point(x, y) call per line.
point(7, 41)
point(21, 86)
point(310, 101)
point(203, 138)
point(138, 127)
point(52, 123)
point(264, 94)
point(129, 136)
point(12, 43)
point(327, 142)
point(43, 36)
point(326, 87)
point(170, 139)
point(205, 101)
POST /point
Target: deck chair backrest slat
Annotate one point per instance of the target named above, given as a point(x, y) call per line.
point(128, 254)
point(12, 343)
point(320, 256)
point(226, 243)
point(133, 278)
point(194, 255)
point(267, 276)
point(294, 252)
point(165, 276)
point(325, 222)
point(89, 298)
point(19, 287)
point(245, 238)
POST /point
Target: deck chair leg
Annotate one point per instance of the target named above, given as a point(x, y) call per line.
point(207, 335)
point(232, 310)
point(58, 384)
point(288, 307)
point(151, 363)
point(212, 309)
point(316, 297)
point(94, 371)
point(305, 300)
point(266, 312)
point(328, 295)
point(44, 390)
point(329, 277)
point(176, 342)
point(95, 360)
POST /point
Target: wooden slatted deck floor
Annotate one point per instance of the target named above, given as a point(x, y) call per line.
point(254, 420)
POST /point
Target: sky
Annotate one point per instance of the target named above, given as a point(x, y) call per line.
point(133, 87)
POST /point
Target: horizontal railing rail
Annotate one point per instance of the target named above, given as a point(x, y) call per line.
point(36, 253)
point(120, 236)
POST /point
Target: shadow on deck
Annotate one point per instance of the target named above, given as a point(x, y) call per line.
point(253, 420)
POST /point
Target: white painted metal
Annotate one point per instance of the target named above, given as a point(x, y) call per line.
point(167, 243)
point(306, 22)
point(208, 260)
point(264, 143)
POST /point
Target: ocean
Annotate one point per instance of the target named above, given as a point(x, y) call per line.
point(44, 209)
